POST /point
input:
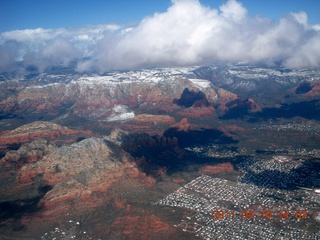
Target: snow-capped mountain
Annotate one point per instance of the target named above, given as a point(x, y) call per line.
point(243, 79)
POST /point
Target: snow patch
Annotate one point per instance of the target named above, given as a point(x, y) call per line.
point(200, 83)
point(121, 117)
point(120, 113)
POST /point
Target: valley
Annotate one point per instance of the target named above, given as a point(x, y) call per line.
point(103, 156)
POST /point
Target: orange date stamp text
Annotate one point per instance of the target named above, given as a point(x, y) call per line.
point(262, 214)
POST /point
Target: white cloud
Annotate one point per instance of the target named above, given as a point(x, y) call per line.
point(233, 10)
point(58, 52)
point(188, 33)
point(44, 48)
point(308, 56)
point(191, 34)
point(29, 35)
point(7, 58)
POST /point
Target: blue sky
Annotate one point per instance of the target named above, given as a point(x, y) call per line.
point(28, 14)
point(100, 35)
point(23, 14)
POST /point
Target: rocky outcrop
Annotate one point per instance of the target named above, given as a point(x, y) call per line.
point(26, 154)
point(95, 98)
point(225, 95)
point(101, 97)
point(252, 105)
point(117, 136)
point(304, 87)
point(72, 179)
point(200, 113)
point(239, 107)
point(39, 129)
point(189, 135)
point(196, 104)
point(140, 226)
point(183, 125)
point(92, 156)
point(309, 89)
point(154, 147)
point(37, 98)
point(192, 98)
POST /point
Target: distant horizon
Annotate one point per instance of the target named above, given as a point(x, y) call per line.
point(33, 71)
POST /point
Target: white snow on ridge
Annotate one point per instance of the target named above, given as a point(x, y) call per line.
point(121, 117)
point(136, 76)
point(111, 79)
point(120, 113)
point(155, 76)
point(120, 108)
point(200, 83)
point(252, 72)
point(43, 86)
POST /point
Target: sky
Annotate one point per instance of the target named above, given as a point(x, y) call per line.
point(28, 14)
point(101, 35)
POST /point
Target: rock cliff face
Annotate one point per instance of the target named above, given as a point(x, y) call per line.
point(63, 180)
point(98, 98)
point(183, 125)
point(92, 155)
point(38, 129)
point(50, 173)
point(188, 135)
point(240, 107)
point(80, 174)
point(26, 154)
point(308, 89)
point(54, 175)
point(11, 140)
point(189, 98)
point(120, 97)
point(245, 104)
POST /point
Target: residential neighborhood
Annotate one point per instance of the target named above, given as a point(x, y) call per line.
point(232, 210)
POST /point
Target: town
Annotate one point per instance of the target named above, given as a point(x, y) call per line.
point(246, 211)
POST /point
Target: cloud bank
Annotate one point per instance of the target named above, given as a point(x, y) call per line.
point(188, 33)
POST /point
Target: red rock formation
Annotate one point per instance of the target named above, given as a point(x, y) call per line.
point(140, 97)
point(225, 95)
point(315, 91)
point(252, 105)
point(148, 123)
point(36, 130)
point(248, 105)
point(140, 226)
point(183, 125)
point(198, 113)
point(159, 146)
point(219, 168)
point(81, 175)
point(192, 98)
point(4, 132)
point(147, 118)
point(26, 154)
